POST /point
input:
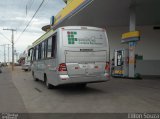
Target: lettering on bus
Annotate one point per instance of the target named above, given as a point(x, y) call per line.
point(72, 39)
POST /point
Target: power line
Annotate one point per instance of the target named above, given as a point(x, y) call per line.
point(5, 37)
point(27, 11)
point(30, 20)
point(44, 6)
point(28, 6)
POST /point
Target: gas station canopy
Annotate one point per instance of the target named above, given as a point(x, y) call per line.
point(112, 13)
point(102, 13)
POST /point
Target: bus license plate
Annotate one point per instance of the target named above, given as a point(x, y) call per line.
point(83, 66)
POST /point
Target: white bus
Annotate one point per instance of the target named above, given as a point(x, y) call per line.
point(71, 55)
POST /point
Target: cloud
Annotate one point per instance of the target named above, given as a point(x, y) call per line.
point(14, 15)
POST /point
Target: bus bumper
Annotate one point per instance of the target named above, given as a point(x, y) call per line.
point(65, 79)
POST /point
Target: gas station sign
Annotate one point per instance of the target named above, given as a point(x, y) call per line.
point(130, 36)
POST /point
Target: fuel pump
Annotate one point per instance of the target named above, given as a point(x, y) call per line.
point(120, 63)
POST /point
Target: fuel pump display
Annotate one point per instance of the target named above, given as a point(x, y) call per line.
point(120, 63)
point(119, 58)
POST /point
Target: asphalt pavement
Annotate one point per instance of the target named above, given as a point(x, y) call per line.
point(115, 96)
point(20, 93)
point(10, 99)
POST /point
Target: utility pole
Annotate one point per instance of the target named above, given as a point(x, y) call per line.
point(12, 39)
point(4, 53)
point(8, 53)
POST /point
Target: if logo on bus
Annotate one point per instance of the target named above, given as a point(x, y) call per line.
point(71, 37)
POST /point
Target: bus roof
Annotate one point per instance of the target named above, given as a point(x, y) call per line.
point(51, 32)
point(43, 37)
point(82, 27)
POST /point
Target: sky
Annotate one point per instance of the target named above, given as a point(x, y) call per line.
point(15, 14)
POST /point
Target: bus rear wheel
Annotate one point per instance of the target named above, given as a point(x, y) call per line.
point(34, 77)
point(49, 86)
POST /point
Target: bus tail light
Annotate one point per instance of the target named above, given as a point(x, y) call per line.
point(62, 67)
point(107, 70)
point(107, 67)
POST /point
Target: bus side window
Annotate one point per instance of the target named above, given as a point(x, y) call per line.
point(42, 50)
point(49, 48)
point(36, 52)
point(31, 54)
point(54, 46)
point(39, 51)
point(45, 48)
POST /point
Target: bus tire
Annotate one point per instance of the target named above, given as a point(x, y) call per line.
point(35, 79)
point(49, 86)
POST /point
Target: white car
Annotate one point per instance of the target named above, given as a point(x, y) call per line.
point(26, 66)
